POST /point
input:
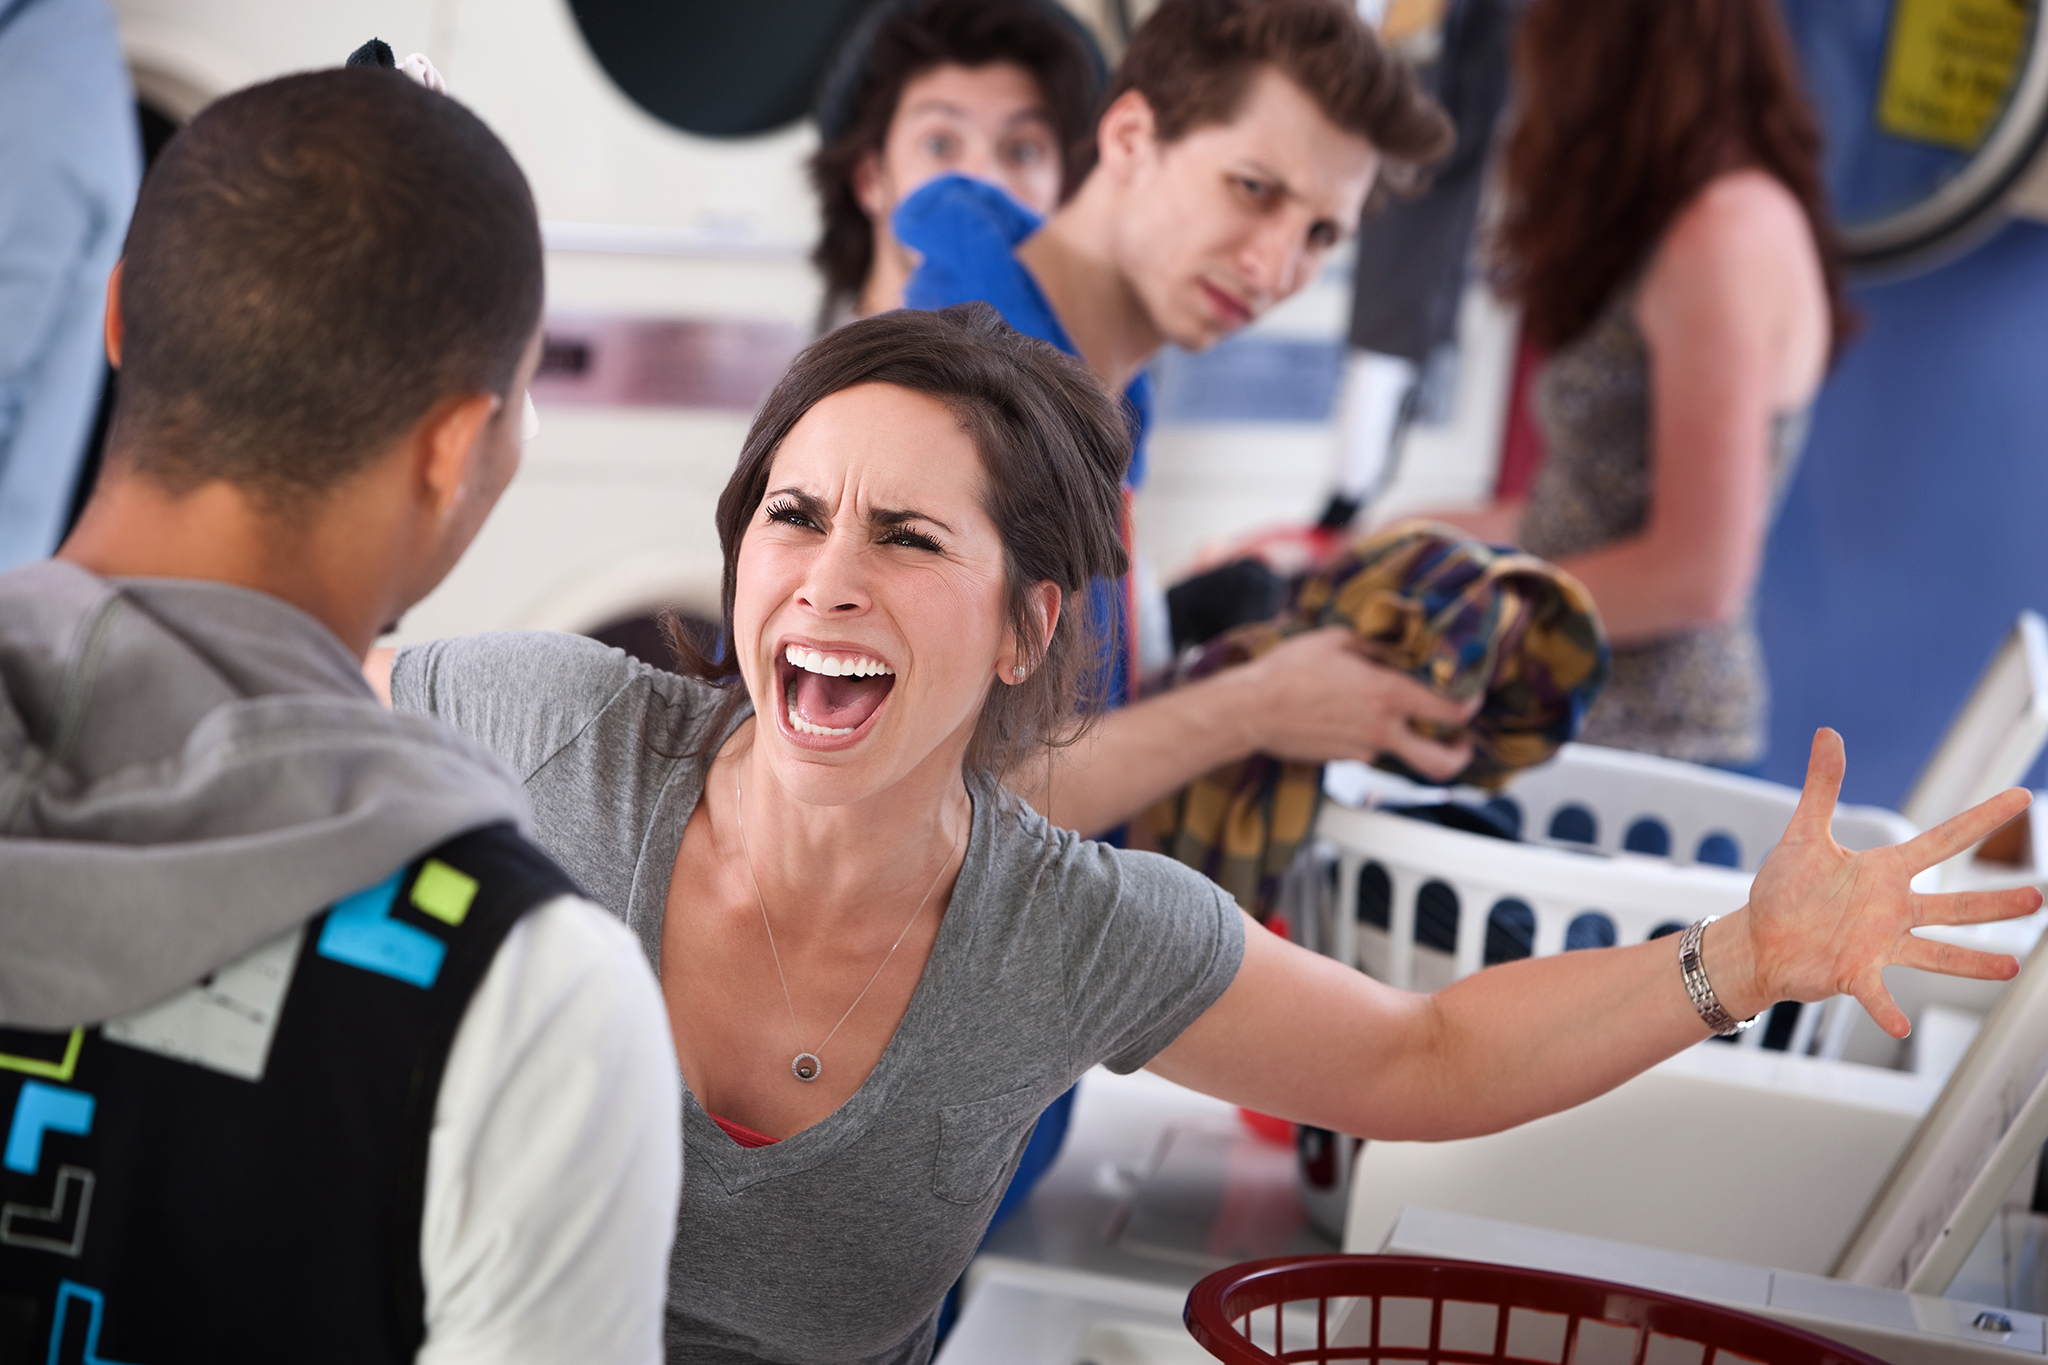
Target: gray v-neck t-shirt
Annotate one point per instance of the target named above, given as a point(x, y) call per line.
point(1055, 954)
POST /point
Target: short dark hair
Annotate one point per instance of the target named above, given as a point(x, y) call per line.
point(1194, 61)
point(313, 263)
point(903, 41)
point(1053, 445)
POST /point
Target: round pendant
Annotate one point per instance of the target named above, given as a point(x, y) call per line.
point(806, 1066)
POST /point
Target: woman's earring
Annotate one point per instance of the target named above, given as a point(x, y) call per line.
point(1018, 673)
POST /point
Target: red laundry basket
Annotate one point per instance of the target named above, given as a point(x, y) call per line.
point(1431, 1312)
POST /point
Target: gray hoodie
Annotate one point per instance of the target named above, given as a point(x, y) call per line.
point(187, 770)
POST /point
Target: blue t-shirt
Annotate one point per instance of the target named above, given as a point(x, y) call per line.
point(967, 231)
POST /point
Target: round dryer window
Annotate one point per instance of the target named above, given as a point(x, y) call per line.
point(716, 68)
point(1933, 110)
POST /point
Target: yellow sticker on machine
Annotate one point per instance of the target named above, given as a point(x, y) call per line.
point(1951, 65)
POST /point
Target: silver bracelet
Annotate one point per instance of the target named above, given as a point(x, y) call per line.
point(1699, 988)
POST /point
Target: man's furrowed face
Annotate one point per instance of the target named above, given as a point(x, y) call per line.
point(1232, 218)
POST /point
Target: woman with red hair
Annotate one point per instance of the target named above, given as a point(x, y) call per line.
point(1667, 238)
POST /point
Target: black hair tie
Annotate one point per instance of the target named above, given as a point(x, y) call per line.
point(376, 52)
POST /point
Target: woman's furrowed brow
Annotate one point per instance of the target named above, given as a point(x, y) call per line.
point(880, 516)
point(809, 502)
point(897, 516)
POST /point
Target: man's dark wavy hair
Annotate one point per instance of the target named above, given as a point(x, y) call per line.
point(1194, 61)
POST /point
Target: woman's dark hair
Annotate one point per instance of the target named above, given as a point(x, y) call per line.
point(1628, 109)
point(1053, 446)
point(902, 41)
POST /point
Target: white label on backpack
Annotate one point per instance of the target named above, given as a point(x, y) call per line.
point(225, 1022)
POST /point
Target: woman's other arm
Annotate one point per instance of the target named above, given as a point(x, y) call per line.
point(1313, 698)
point(1735, 316)
point(524, 694)
point(1305, 1038)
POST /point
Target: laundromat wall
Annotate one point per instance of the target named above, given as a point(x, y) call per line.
point(1910, 537)
point(1917, 525)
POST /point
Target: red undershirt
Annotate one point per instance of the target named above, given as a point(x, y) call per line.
point(744, 1136)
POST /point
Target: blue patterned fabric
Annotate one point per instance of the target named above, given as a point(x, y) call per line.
point(968, 233)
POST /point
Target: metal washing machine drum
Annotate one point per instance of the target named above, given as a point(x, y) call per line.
point(1935, 114)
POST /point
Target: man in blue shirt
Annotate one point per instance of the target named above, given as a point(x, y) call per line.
point(1241, 143)
point(70, 159)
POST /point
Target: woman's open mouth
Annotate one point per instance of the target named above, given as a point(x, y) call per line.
point(830, 694)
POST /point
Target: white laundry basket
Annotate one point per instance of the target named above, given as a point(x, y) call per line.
point(1622, 847)
point(1617, 848)
point(1995, 735)
point(1617, 801)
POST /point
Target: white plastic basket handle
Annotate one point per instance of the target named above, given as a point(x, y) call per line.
point(1995, 736)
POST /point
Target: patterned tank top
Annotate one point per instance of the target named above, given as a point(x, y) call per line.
point(1698, 694)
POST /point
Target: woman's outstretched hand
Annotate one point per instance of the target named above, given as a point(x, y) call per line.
point(1824, 921)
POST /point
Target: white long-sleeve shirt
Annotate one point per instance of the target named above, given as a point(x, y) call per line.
point(555, 1163)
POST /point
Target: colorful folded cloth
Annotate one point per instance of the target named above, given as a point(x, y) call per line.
point(1463, 618)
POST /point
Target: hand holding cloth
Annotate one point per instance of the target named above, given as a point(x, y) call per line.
point(1465, 619)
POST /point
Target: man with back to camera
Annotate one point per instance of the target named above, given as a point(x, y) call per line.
point(1240, 144)
point(305, 1052)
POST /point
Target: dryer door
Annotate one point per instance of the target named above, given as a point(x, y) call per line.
point(716, 68)
point(1933, 110)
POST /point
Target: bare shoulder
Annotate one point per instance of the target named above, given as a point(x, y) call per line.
point(1745, 223)
point(1737, 281)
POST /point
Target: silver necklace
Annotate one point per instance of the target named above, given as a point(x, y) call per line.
point(806, 1066)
